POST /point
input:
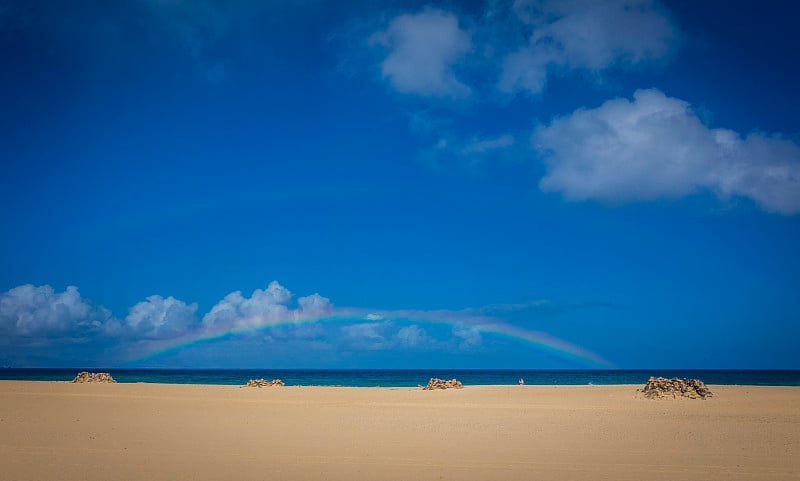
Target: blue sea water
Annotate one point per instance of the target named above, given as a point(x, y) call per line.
point(410, 377)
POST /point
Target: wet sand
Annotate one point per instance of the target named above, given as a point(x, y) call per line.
point(58, 430)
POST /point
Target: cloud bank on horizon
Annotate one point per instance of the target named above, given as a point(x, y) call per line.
point(41, 320)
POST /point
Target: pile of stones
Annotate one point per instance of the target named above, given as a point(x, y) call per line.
point(660, 388)
point(264, 383)
point(436, 383)
point(94, 377)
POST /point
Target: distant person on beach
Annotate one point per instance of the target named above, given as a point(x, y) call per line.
point(521, 381)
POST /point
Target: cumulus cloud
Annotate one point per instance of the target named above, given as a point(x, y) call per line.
point(370, 330)
point(421, 51)
point(262, 307)
point(366, 335)
point(469, 337)
point(158, 317)
point(314, 305)
point(656, 147)
point(28, 310)
point(413, 336)
point(586, 34)
point(386, 335)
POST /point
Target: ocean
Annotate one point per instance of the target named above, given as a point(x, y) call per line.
point(410, 377)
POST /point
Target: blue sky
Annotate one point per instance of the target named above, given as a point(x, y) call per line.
point(530, 184)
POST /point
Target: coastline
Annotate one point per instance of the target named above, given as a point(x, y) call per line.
point(414, 377)
point(56, 429)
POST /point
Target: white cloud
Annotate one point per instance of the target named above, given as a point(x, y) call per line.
point(385, 335)
point(413, 336)
point(373, 317)
point(470, 337)
point(28, 310)
point(422, 50)
point(368, 330)
point(657, 147)
point(366, 335)
point(314, 305)
point(586, 34)
point(263, 307)
point(158, 317)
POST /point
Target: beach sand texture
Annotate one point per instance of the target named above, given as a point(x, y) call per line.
point(58, 430)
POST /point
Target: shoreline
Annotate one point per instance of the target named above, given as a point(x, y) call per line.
point(637, 386)
point(415, 377)
point(60, 430)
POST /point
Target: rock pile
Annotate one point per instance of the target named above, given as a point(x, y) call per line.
point(436, 383)
point(94, 377)
point(264, 383)
point(660, 388)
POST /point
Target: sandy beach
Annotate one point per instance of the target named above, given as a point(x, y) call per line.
point(58, 430)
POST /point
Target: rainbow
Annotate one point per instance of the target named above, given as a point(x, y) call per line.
point(466, 319)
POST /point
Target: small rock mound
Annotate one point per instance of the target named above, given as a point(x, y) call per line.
point(660, 388)
point(436, 383)
point(94, 377)
point(264, 383)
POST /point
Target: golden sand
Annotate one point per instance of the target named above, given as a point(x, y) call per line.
point(58, 430)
